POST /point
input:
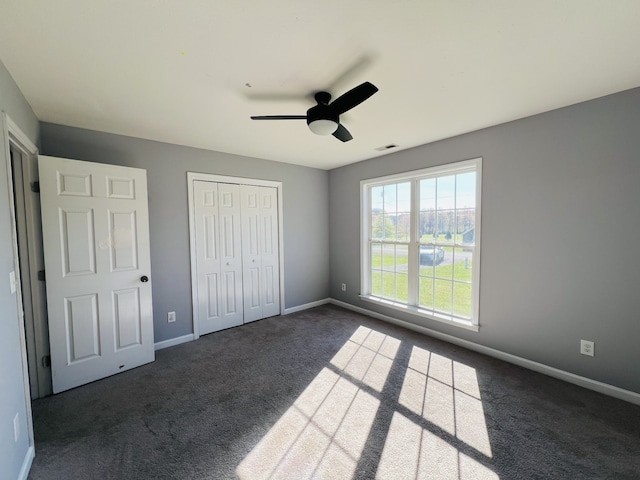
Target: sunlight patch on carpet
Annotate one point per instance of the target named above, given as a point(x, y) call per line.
point(435, 429)
point(446, 394)
point(324, 432)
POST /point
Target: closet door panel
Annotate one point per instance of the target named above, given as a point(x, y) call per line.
point(230, 253)
point(251, 252)
point(219, 274)
point(270, 278)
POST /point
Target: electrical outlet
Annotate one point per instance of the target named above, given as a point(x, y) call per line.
point(587, 348)
point(344, 287)
point(16, 428)
point(171, 317)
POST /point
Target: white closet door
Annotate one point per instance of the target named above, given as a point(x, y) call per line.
point(231, 252)
point(260, 252)
point(96, 250)
point(219, 274)
point(251, 264)
point(270, 249)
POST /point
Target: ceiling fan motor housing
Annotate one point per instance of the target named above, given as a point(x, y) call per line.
point(321, 119)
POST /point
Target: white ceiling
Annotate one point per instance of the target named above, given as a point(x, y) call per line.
point(178, 71)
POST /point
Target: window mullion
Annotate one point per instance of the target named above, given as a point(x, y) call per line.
point(414, 237)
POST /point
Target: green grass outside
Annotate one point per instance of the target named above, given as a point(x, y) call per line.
point(436, 284)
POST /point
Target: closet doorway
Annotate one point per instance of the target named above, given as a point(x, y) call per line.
point(235, 228)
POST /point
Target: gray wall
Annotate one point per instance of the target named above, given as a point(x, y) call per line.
point(12, 394)
point(560, 234)
point(306, 217)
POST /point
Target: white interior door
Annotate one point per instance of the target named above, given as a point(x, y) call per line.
point(260, 252)
point(96, 247)
point(218, 253)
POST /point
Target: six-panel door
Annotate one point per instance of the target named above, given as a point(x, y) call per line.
point(96, 248)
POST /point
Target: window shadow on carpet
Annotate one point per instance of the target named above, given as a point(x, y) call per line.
point(380, 408)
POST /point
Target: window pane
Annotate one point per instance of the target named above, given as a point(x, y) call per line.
point(376, 199)
point(466, 190)
point(426, 292)
point(376, 255)
point(376, 283)
point(426, 268)
point(448, 256)
point(427, 194)
point(377, 226)
point(389, 285)
point(465, 207)
point(446, 225)
point(445, 268)
point(403, 227)
point(388, 257)
point(462, 299)
point(389, 227)
point(446, 192)
point(402, 258)
point(402, 278)
point(402, 287)
point(427, 226)
point(402, 269)
point(463, 265)
point(393, 281)
point(465, 226)
point(390, 199)
point(404, 197)
point(443, 295)
point(430, 256)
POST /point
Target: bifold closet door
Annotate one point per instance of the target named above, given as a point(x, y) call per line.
point(218, 252)
point(261, 276)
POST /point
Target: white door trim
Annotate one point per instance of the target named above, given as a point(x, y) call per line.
point(12, 134)
point(208, 177)
point(27, 203)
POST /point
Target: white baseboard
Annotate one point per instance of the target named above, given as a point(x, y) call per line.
point(307, 306)
point(26, 463)
point(173, 342)
point(605, 388)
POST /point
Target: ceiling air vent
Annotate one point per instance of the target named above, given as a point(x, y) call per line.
point(386, 147)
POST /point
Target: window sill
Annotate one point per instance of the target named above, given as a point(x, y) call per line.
point(467, 325)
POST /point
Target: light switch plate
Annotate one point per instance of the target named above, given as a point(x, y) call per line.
point(12, 281)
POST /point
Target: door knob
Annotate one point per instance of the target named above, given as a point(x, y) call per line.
point(144, 279)
point(228, 263)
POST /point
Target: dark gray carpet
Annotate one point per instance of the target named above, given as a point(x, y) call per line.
point(328, 393)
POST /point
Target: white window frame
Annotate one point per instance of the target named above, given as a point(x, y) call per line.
point(365, 215)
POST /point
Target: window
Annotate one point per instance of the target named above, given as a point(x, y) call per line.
point(420, 242)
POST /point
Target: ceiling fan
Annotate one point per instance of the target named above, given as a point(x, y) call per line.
point(324, 118)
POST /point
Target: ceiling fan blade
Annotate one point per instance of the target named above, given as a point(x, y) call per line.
point(353, 97)
point(279, 117)
point(342, 134)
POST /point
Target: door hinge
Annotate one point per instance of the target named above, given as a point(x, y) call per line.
point(35, 187)
point(41, 275)
point(46, 361)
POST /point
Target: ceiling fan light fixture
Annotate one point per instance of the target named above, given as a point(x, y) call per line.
point(324, 118)
point(323, 126)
